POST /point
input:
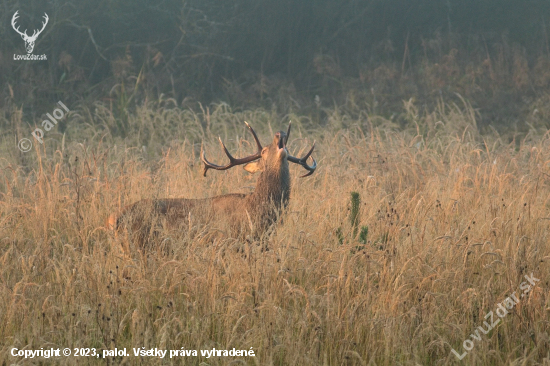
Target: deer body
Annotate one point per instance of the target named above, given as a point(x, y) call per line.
point(240, 213)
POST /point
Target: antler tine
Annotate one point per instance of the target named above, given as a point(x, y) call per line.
point(37, 32)
point(45, 22)
point(232, 161)
point(13, 21)
point(231, 158)
point(258, 144)
point(303, 161)
point(288, 132)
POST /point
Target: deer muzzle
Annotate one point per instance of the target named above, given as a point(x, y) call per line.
point(280, 138)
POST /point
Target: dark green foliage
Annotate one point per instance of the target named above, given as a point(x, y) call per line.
point(354, 212)
point(340, 236)
point(363, 234)
point(362, 239)
point(267, 52)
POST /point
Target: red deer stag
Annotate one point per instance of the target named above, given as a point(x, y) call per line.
point(242, 213)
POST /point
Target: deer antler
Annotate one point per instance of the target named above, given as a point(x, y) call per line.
point(35, 34)
point(232, 161)
point(13, 20)
point(303, 160)
point(24, 34)
point(288, 132)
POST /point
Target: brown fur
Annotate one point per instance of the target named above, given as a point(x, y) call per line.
point(240, 213)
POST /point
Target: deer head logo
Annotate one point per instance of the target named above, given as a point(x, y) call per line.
point(29, 41)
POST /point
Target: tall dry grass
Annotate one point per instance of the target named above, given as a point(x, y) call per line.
point(455, 220)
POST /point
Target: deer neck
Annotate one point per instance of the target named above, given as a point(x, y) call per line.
point(272, 191)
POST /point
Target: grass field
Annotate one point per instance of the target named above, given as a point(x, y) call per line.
point(444, 226)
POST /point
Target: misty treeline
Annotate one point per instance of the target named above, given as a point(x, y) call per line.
point(284, 54)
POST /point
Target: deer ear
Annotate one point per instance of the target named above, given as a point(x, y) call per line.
point(253, 167)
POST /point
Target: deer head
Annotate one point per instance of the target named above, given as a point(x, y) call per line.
point(273, 156)
point(272, 161)
point(29, 40)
